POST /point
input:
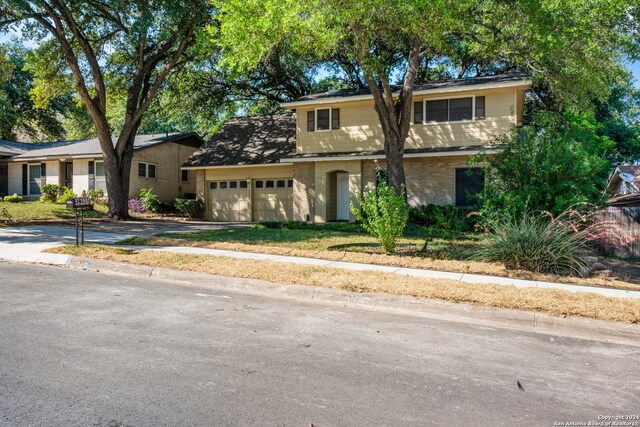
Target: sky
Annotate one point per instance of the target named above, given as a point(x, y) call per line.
point(634, 67)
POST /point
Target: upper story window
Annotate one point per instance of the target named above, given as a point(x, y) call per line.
point(323, 119)
point(146, 170)
point(449, 110)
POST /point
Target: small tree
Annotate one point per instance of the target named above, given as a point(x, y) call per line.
point(383, 214)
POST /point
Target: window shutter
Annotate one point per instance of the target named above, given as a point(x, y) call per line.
point(311, 121)
point(417, 112)
point(43, 173)
point(480, 114)
point(25, 179)
point(92, 175)
point(335, 118)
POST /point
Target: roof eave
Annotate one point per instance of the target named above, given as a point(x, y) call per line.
point(451, 89)
point(261, 165)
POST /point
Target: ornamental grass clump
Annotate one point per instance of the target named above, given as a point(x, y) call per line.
point(543, 243)
point(383, 214)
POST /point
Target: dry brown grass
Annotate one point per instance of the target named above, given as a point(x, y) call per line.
point(399, 260)
point(553, 302)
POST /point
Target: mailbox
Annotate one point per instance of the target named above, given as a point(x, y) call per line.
point(79, 203)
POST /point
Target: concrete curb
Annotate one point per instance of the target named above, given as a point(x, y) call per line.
point(573, 327)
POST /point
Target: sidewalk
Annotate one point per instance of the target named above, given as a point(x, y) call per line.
point(26, 244)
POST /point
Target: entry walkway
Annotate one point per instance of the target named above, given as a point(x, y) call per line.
point(26, 244)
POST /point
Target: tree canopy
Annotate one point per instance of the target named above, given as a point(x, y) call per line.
point(574, 47)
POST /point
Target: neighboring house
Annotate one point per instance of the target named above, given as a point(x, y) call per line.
point(310, 165)
point(79, 166)
point(624, 186)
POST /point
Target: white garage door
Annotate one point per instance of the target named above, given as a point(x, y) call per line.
point(272, 199)
point(229, 201)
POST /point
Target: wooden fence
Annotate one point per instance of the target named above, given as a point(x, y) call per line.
point(628, 219)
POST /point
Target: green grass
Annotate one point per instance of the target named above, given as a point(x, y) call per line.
point(330, 237)
point(41, 211)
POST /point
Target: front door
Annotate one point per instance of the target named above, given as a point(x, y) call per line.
point(342, 197)
point(68, 175)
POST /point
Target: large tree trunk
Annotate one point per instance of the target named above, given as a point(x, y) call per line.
point(118, 172)
point(394, 111)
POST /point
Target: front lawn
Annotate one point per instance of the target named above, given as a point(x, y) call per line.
point(347, 242)
point(321, 238)
point(42, 211)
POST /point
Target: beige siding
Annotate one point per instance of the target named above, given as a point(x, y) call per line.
point(167, 184)
point(360, 128)
point(217, 174)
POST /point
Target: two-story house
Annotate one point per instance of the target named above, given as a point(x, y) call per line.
point(311, 163)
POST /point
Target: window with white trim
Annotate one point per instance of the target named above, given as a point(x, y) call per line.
point(146, 170)
point(323, 119)
point(458, 109)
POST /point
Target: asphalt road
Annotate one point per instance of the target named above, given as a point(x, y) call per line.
point(89, 349)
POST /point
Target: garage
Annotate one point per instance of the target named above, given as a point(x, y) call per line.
point(272, 199)
point(251, 200)
point(230, 201)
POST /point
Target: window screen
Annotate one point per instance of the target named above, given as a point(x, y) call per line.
point(322, 119)
point(437, 111)
point(460, 109)
point(151, 171)
point(469, 183)
point(311, 121)
point(417, 112)
point(335, 118)
point(142, 170)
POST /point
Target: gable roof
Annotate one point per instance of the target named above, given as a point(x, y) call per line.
point(253, 140)
point(614, 178)
point(443, 86)
point(91, 147)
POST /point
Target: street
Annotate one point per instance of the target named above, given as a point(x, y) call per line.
point(89, 349)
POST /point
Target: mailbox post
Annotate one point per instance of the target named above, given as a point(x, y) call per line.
point(79, 204)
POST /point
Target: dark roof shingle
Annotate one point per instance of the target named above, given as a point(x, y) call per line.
point(249, 140)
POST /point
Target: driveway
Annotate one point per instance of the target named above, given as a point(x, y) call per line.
point(24, 243)
point(83, 349)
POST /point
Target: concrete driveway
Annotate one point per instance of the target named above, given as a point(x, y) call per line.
point(24, 243)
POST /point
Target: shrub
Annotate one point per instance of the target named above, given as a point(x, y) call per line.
point(450, 219)
point(192, 208)
point(137, 206)
point(150, 200)
point(50, 193)
point(383, 214)
point(96, 195)
point(544, 243)
point(67, 193)
point(13, 199)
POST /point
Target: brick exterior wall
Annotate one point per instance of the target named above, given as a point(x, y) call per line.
point(429, 179)
point(304, 191)
point(200, 184)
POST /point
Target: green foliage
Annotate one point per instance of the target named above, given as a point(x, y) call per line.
point(50, 193)
point(449, 219)
point(151, 201)
point(535, 242)
point(67, 193)
point(383, 214)
point(96, 195)
point(554, 162)
point(13, 199)
point(192, 208)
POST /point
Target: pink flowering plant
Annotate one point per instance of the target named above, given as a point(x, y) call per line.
point(544, 243)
